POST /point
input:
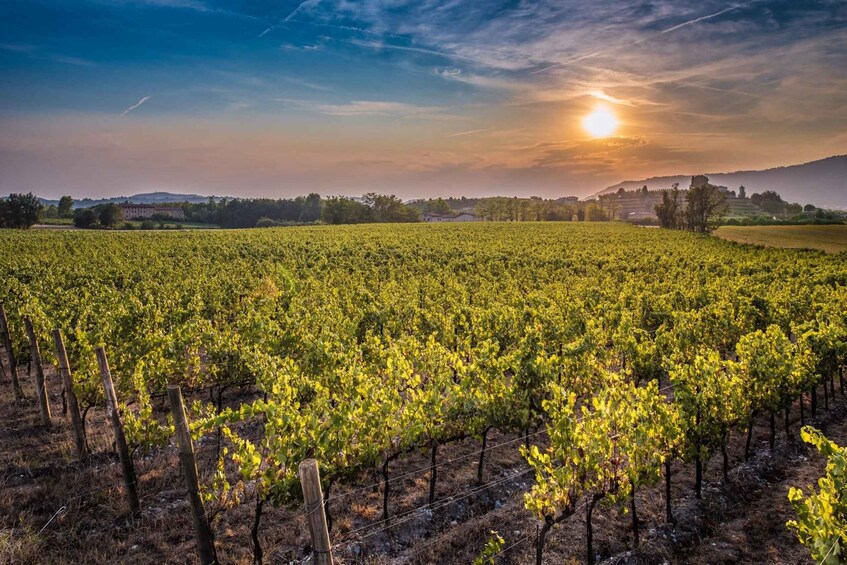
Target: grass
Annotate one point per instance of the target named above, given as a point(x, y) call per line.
point(21, 545)
point(829, 238)
point(57, 221)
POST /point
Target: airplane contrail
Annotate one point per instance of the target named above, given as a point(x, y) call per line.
point(299, 8)
point(700, 19)
point(134, 106)
point(293, 13)
point(642, 40)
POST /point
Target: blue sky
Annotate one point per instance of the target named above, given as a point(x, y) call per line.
point(416, 98)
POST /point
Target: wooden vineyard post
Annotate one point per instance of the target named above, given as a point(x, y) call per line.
point(202, 531)
point(40, 385)
point(73, 403)
point(310, 480)
point(10, 355)
point(120, 439)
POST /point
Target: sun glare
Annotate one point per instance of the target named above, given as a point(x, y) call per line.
point(600, 123)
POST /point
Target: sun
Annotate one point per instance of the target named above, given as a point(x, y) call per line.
point(602, 122)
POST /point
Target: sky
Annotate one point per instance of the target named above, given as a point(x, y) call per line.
point(416, 98)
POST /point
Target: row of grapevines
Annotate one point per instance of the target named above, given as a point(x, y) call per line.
point(367, 342)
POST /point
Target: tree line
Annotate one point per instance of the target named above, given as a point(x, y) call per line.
point(697, 209)
point(24, 210)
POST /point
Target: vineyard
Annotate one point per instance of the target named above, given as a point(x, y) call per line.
point(550, 392)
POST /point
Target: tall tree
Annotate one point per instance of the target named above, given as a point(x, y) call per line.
point(437, 206)
point(110, 214)
point(84, 217)
point(769, 201)
point(20, 211)
point(341, 210)
point(386, 208)
point(312, 208)
point(66, 204)
point(668, 210)
point(705, 202)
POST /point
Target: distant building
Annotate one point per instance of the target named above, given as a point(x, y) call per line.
point(727, 192)
point(147, 211)
point(463, 217)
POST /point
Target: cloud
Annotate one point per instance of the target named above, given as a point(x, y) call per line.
point(308, 84)
point(134, 106)
point(35, 52)
point(379, 45)
point(637, 41)
point(370, 108)
point(487, 81)
point(469, 132)
point(592, 150)
point(600, 95)
point(378, 108)
point(17, 48)
point(68, 60)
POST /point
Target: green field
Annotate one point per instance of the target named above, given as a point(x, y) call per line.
point(829, 238)
point(575, 360)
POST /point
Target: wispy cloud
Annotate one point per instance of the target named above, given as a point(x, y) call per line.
point(35, 52)
point(379, 45)
point(17, 48)
point(377, 108)
point(716, 89)
point(469, 132)
point(489, 81)
point(308, 84)
point(600, 95)
point(637, 41)
point(134, 106)
point(68, 60)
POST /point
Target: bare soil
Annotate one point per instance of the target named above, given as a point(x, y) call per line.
point(54, 509)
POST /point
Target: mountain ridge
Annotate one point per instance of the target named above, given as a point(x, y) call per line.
point(159, 197)
point(822, 182)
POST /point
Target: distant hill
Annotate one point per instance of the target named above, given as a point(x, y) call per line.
point(144, 198)
point(822, 183)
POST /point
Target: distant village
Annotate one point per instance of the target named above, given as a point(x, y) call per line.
point(635, 206)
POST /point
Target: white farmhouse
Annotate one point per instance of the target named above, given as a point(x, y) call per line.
point(146, 211)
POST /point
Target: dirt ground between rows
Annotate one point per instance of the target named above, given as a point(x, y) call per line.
point(54, 509)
